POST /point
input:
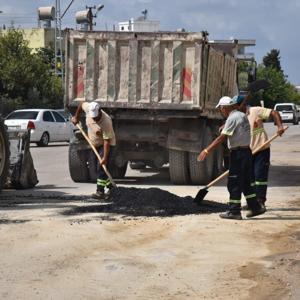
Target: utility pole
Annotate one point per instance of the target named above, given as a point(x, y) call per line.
point(86, 17)
point(90, 16)
point(59, 68)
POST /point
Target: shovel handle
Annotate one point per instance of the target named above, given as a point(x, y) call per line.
point(97, 154)
point(268, 141)
point(254, 152)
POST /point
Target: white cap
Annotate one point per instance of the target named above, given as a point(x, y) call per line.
point(94, 108)
point(226, 101)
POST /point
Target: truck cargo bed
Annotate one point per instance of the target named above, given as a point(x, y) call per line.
point(178, 71)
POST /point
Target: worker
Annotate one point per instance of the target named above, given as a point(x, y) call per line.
point(237, 132)
point(261, 160)
point(102, 136)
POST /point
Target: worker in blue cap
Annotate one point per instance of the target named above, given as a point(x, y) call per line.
point(261, 160)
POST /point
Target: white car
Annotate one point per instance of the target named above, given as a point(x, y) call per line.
point(46, 125)
point(289, 112)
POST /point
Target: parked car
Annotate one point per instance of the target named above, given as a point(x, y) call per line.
point(67, 115)
point(288, 112)
point(46, 125)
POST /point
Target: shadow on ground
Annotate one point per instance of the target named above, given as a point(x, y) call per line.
point(151, 202)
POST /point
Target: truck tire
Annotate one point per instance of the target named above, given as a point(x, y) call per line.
point(178, 167)
point(117, 172)
point(78, 165)
point(202, 172)
point(116, 167)
point(93, 169)
point(4, 154)
point(218, 161)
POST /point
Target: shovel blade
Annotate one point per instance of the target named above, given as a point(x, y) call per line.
point(257, 85)
point(200, 195)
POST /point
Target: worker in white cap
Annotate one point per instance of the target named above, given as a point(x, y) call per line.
point(237, 132)
point(102, 136)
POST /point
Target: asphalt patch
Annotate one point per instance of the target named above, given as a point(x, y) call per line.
point(151, 202)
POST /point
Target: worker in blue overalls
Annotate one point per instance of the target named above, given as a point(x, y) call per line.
point(237, 132)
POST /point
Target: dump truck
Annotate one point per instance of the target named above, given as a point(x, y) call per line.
point(160, 89)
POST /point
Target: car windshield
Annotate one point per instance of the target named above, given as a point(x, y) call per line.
point(64, 113)
point(23, 115)
point(284, 107)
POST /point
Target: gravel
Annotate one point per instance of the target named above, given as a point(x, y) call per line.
point(150, 202)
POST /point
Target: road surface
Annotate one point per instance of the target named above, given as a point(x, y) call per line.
point(58, 244)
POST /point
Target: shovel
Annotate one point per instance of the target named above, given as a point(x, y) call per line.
point(202, 193)
point(260, 84)
point(98, 156)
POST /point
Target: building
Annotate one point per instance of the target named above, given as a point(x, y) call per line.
point(37, 37)
point(297, 88)
point(141, 24)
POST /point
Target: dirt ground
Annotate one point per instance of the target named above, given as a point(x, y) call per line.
point(67, 246)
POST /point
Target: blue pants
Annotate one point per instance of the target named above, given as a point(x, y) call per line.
point(261, 164)
point(103, 180)
point(239, 180)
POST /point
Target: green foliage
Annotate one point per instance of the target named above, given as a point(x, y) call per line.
point(272, 60)
point(242, 70)
point(280, 89)
point(25, 77)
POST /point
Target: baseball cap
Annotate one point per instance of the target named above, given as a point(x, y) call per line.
point(225, 101)
point(238, 99)
point(94, 109)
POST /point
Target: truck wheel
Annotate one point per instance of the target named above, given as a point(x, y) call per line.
point(178, 169)
point(78, 165)
point(117, 172)
point(92, 166)
point(4, 154)
point(202, 172)
point(218, 161)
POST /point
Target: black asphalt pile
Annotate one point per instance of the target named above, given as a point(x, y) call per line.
point(151, 202)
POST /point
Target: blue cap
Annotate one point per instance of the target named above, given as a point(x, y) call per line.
point(238, 99)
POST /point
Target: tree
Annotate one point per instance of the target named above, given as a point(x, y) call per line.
point(272, 60)
point(280, 89)
point(25, 77)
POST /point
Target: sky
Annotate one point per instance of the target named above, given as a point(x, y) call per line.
point(274, 24)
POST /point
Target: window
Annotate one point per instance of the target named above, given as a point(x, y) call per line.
point(23, 115)
point(47, 117)
point(58, 117)
point(284, 108)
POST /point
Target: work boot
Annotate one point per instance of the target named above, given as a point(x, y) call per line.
point(256, 212)
point(99, 195)
point(262, 202)
point(230, 215)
